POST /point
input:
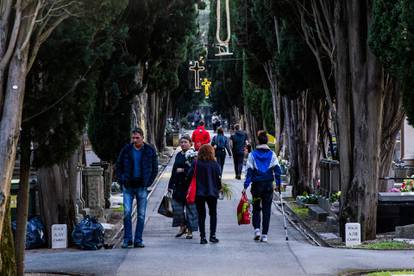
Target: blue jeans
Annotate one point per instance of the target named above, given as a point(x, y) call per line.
point(141, 197)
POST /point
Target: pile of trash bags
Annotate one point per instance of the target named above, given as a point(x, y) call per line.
point(35, 233)
point(88, 234)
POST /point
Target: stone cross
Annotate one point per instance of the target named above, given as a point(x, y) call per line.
point(206, 83)
point(196, 68)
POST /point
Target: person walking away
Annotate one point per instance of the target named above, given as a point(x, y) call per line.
point(200, 136)
point(220, 144)
point(184, 215)
point(208, 176)
point(238, 144)
point(262, 168)
point(136, 169)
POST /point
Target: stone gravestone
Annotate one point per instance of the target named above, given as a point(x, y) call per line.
point(59, 236)
point(95, 191)
point(408, 144)
point(352, 234)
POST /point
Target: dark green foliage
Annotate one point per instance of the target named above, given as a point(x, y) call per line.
point(392, 39)
point(226, 72)
point(297, 66)
point(62, 81)
point(109, 122)
point(267, 111)
point(158, 33)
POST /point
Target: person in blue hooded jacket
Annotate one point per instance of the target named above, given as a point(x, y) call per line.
point(262, 168)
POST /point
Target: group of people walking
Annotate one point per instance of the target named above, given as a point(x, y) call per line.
point(137, 167)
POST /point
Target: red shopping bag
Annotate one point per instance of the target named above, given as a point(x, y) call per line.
point(191, 193)
point(243, 210)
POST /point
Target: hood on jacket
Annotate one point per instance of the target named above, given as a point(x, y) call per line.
point(262, 157)
point(201, 128)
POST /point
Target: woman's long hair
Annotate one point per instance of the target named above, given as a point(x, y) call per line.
point(206, 152)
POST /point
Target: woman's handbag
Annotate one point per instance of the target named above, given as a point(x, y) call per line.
point(165, 208)
point(191, 194)
point(243, 210)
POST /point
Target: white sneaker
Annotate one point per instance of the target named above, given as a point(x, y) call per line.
point(263, 238)
point(256, 234)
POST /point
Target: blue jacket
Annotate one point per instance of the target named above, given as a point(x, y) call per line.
point(262, 165)
point(125, 165)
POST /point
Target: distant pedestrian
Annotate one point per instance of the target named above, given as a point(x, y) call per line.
point(197, 118)
point(200, 136)
point(220, 144)
point(262, 168)
point(208, 176)
point(238, 145)
point(215, 120)
point(184, 215)
point(136, 169)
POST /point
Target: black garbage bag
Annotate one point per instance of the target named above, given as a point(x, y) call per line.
point(35, 233)
point(88, 234)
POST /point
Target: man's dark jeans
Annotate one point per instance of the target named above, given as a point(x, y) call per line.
point(238, 162)
point(262, 193)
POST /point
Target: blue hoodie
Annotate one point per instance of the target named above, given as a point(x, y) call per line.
point(262, 165)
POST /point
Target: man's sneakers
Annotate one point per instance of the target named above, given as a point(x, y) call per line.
point(257, 234)
point(126, 244)
point(258, 237)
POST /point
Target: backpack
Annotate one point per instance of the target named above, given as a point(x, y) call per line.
point(220, 143)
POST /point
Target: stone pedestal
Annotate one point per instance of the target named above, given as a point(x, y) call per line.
point(407, 145)
point(93, 177)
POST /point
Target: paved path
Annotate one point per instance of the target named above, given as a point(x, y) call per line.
point(235, 254)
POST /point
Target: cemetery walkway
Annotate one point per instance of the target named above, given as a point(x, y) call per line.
point(235, 254)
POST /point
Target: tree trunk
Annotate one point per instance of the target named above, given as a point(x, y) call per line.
point(10, 125)
point(302, 128)
point(7, 258)
point(392, 120)
point(160, 125)
point(276, 103)
point(58, 194)
point(292, 142)
point(22, 200)
point(360, 100)
point(251, 126)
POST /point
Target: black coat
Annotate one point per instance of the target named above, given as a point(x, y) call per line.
point(208, 176)
point(178, 181)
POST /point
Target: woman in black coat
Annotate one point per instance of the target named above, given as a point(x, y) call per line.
point(208, 175)
point(184, 215)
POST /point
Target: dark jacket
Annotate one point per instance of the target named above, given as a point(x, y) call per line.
point(178, 181)
point(208, 177)
point(125, 165)
point(262, 166)
point(238, 141)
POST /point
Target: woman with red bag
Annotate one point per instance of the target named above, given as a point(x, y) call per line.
point(184, 215)
point(208, 179)
point(262, 168)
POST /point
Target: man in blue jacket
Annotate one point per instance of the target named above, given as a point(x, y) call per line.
point(262, 168)
point(136, 169)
